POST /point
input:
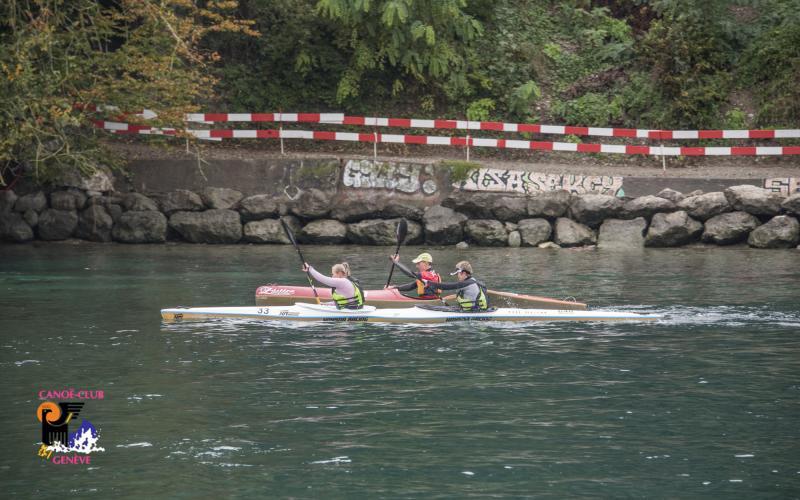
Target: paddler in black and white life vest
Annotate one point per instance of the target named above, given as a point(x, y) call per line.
point(345, 290)
point(425, 274)
point(472, 295)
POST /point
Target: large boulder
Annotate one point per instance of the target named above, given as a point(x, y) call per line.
point(260, 206)
point(180, 200)
point(672, 230)
point(312, 204)
point(34, 201)
point(382, 232)
point(94, 224)
point(472, 204)
point(486, 232)
point(646, 206)
point(705, 206)
point(147, 226)
point(510, 208)
point(534, 231)
point(57, 224)
point(100, 180)
point(549, 204)
point(14, 228)
point(514, 239)
point(323, 232)
point(138, 202)
point(210, 226)
point(397, 208)
point(265, 231)
point(221, 198)
point(792, 204)
point(754, 200)
point(622, 234)
point(671, 195)
point(353, 206)
point(593, 209)
point(729, 228)
point(70, 199)
point(443, 226)
point(31, 217)
point(782, 231)
point(569, 233)
point(7, 200)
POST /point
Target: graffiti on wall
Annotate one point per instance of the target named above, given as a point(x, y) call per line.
point(403, 177)
point(783, 185)
point(518, 181)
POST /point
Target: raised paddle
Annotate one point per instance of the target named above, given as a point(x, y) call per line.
point(402, 230)
point(302, 259)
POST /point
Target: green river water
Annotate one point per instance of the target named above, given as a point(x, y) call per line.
point(705, 403)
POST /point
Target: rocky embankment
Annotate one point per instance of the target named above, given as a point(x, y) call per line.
point(759, 217)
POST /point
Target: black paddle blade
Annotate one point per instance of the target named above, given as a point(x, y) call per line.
point(402, 231)
point(288, 232)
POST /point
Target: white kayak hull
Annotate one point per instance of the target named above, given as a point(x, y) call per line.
point(324, 313)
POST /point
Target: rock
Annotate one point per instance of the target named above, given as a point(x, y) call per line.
point(140, 226)
point(221, 198)
point(210, 226)
point(71, 199)
point(94, 224)
point(705, 206)
point(100, 180)
point(137, 202)
point(260, 206)
point(619, 234)
point(510, 208)
point(312, 204)
point(265, 231)
point(34, 201)
point(514, 239)
point(569, 233)
point(672, 230)
point(791, 204)
point(593, 209)
point(353, 206)
point(671, 195)
point(115, 211)
point(550, 204)
point(534, 231)
point(294, 224)
point(646, 206)
point(14, 228)
point(462, 245)
point(180, 200)
point(403, 209)
point(31, 217)
point(7, 200)
point(472, 204)
point(754, 200)
point(510, 226)
point(782, 231)
point(696, 192)
point(57, 224)
point(729, 228)
point(548, 244)
point(486, 232)
point(323, 232)
point(443, 226)
point(382, 232)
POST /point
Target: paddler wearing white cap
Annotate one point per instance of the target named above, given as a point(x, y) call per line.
point(472, 295)
point(424, 277)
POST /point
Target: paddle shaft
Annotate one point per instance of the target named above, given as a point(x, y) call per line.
point(402, 229)
point(302, 259)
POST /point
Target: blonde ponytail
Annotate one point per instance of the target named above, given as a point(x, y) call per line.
point(344, 268)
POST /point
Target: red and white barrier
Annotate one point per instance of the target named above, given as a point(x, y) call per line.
point(124, 128)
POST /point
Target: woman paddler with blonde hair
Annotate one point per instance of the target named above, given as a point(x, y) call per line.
point(346, 292)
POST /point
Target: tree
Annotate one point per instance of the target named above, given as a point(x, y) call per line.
point(132, 54)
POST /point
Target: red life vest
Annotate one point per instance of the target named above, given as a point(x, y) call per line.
point(428, 292)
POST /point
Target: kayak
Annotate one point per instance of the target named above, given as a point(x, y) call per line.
point(286, 295)
point(371, 314)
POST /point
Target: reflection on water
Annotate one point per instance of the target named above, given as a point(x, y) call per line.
point(702, 403)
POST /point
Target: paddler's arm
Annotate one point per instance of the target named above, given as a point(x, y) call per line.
point(407, 287)
point(404, 269)
point(325, 280)
point(455, 285)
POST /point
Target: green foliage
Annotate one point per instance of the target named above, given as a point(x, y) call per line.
point(591, 109)
point(460, 170)
point(480, 110)
point(522, 98)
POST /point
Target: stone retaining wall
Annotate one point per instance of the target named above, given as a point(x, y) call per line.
point(746, 213)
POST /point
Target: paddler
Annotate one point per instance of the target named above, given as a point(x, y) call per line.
point(472, 295)
point(425, 274)
point(345, 290)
